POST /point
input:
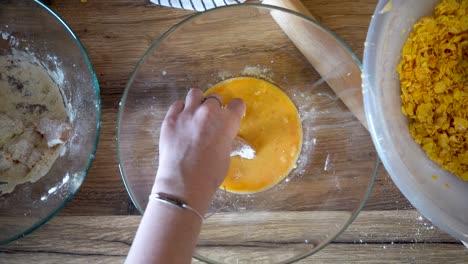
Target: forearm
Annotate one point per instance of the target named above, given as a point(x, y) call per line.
point(194, 146)
point(166, 234)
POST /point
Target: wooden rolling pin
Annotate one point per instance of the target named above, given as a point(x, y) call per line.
point(333, 62)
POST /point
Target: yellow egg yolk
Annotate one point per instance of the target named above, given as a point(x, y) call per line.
point(271, 126)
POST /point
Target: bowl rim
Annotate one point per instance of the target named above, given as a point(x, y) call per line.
point(376, 123)
point(180, 24)
point(98, 125)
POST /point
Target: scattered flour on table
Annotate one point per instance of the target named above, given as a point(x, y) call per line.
point(33, 121)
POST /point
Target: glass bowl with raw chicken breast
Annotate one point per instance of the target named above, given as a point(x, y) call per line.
point(49, 116)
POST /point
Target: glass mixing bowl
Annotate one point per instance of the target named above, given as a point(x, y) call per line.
point(405, 161)
point(31, 27)
point(336, 167)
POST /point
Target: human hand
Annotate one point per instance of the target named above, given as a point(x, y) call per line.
point(194, 147)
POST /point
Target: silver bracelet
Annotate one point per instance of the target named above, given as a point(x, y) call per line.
point(174, 201)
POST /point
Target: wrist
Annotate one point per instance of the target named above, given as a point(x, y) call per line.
point(172, 206)
point(172, 186)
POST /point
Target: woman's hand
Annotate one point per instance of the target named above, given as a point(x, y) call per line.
point(194, 147)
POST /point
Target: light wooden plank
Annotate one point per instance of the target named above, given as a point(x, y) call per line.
point(334, 253)
point(115, 233)
point(374, 236)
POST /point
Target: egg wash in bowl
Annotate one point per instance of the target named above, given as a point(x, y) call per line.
point(271, 126)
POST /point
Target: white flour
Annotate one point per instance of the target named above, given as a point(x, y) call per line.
point(242, 149)
point(33, 121)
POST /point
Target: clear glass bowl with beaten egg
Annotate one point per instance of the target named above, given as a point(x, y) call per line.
point(316, 158)
point(49, 116)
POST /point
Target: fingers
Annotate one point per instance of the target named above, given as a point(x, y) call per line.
point(213, 102)
point(193, 100)
point(174, 110)
point(236, 107)
point(236, 110)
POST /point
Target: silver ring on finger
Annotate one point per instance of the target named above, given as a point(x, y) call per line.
point(214, 97)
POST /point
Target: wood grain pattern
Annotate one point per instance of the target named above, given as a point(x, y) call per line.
point(347, 88)
point(334, 253)
point(95, 226)
point(115, 35)
point(374, 237)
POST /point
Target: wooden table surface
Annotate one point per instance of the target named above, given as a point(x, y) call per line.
point(97, 226)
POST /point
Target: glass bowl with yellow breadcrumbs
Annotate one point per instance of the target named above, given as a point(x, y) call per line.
point(416, 99)
point(315, 163)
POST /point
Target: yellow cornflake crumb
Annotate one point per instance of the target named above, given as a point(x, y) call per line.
point(434, 85)
point(388, 7)
point(435, 177)
point(447, 185)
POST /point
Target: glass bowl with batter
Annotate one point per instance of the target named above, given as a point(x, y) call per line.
point(49, 116)
point(315, 162)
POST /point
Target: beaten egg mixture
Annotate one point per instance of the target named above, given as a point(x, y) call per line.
point(271, 126)
point(434, 85)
